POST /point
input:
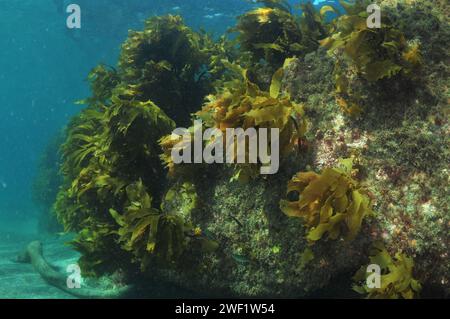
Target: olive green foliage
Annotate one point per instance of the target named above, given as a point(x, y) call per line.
point(116, 194)
point(170, 64)
point(373, 54)
point(396, 280)
point(102, 80)
point(113, 178)
point(270, 34)
point(46, 184)
point(144, 231)
point(104, 154)
point(332, 202)
point(313, 25)
point(273, 33)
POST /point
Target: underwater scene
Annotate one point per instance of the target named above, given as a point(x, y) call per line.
point(167, 149)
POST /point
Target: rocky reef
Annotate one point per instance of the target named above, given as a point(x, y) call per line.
point(364, 176)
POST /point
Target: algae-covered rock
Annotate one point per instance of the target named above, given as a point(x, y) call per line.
point(399, 142)
point(201, 228)
point(260, 250)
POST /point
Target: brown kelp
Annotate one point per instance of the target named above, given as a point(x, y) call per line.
point(371, 54)
point(273, 33)
point(242, 104)
point(396, 279)
point(331, 203)
point(130, 215)
point(100, 163)
point(270, 34)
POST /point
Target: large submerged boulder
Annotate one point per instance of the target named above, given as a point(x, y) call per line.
point(222, 230)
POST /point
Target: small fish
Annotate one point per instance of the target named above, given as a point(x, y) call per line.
point(294, 120)
point(236, 220)
point(213, 16)
point(240, 259)
point(208, 234)
point(302, 145)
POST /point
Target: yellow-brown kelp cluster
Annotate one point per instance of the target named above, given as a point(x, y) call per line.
point(396, 279)
point(103, 157)
point(242, 104)
point(272, 33)
point(373, 54)
point(331, 203)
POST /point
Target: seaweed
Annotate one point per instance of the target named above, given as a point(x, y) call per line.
point(96, 242)
point(372, 54)
point(396, 279)
point(272, 33)
point(269, 34)
point(170, 64)
point(332, 202)
point(103, 80)
point(146, 231)
point(313, 25)
point(104, 154)
point(114, 182)
point(242, 104)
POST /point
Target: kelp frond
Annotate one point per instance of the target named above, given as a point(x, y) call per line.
point(331, 203)
point(396, 279)
point(372, 54)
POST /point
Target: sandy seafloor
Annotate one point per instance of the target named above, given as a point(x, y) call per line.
point(20, 280)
